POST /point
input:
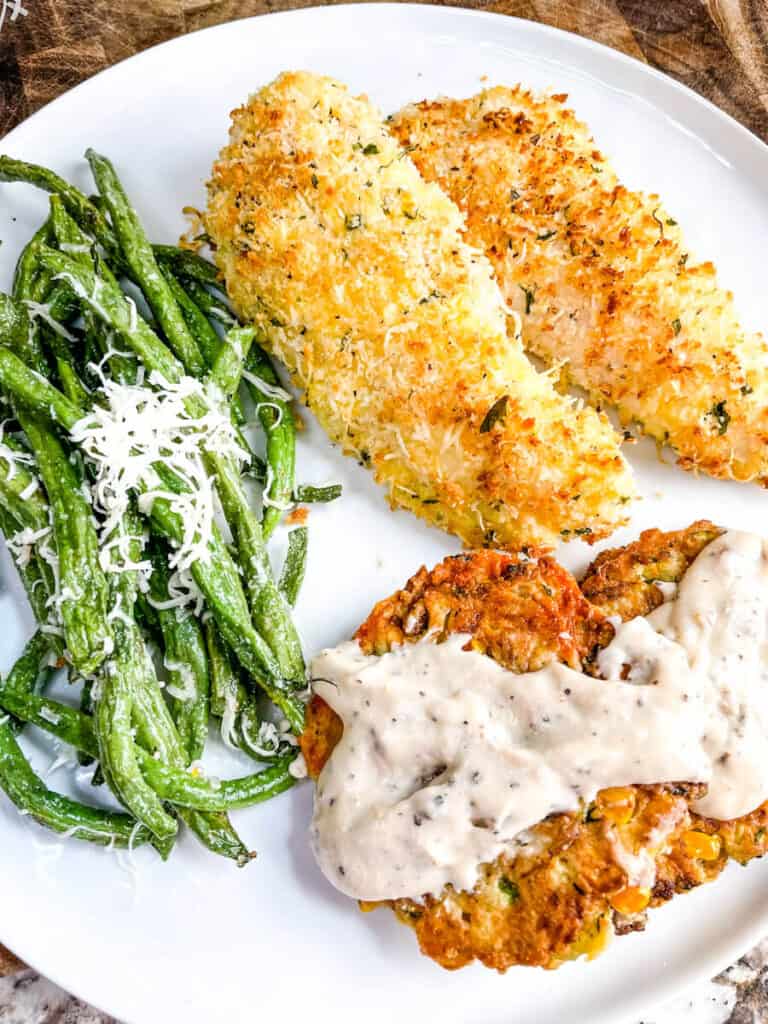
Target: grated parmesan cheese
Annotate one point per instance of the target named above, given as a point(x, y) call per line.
point(42, 311)
point(138, 428)
point(11, 456)
point(272, 390)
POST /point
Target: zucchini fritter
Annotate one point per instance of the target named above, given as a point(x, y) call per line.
point(599, 276)
point(566, 889)
point(355, 271)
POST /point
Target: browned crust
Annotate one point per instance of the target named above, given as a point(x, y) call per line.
point(600, 275)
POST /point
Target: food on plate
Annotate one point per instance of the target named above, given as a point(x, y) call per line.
point(356, 273)
point(635, 580)
point(602, 283)
point(124, 433)
point(520, 768)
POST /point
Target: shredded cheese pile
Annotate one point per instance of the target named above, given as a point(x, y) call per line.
point(137, 428)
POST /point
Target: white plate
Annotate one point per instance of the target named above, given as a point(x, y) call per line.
point(197, 940)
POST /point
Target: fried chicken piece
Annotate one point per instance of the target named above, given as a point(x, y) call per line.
point(566, 891)
point(599, 277)
point(355, 271)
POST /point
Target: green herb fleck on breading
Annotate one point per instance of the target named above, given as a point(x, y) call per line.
point(495, 414)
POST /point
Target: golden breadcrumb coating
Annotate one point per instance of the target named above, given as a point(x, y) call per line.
point(356, 272)
point(567, 891)
point(599, 275)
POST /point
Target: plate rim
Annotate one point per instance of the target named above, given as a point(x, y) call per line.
point(709, 965)
point(431, 9)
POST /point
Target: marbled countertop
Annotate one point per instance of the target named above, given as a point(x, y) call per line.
point(737, 996)
point(717, 47)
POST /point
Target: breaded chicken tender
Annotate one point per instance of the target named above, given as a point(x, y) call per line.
point(599, 276)
point(565, 891)
point(356, 272)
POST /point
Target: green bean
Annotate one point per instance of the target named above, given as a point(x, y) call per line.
point(270, 611)
point(87, 215)
point(28, 265)
point(72, 239)
point(307, 494)
point(86, 706)
point(140, 258)
point(185, 263)
point(36, 578)
point(82, 584)
point(35, 392)
point(108, 302)
point(62, 355)
point(219, 580)
point(269, 608)
point(218, 577)
point(214, 307)
point(186, 790)
point(23, 677)
point(224, 679)
point(122, 685)
point(295, 564)
point(32, 282)
point(22, 497)
point(116, 747)
point(156, 730)
point(99, 346)
point(68, 234)
point(69, 379)
point(214, 830)
point(175, 785)
point(278, 424)
point(86, 628)
point(132, 731)
point(230, 700)
point(199, 326)
point(18, 334)
point(207, 338)
point(31, 512)
point(23, 346)
point(146, 617)
point(228, 366)
point(68, 724)
point(32, 797)
point(152, 720)
point(185, 659)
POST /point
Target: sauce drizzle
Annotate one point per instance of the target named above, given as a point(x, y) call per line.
point(446, 757)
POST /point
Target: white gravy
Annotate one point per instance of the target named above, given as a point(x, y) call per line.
point(446, 757)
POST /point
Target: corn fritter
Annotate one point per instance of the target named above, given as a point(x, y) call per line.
point(565, 890)
point(356, 272)
point(599, 275)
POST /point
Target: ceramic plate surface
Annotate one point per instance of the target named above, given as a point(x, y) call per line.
point(197, 940)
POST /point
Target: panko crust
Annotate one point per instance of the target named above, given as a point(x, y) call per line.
point(356, 273)
point(625, 581)
point(599, 275)
point(566, 891)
